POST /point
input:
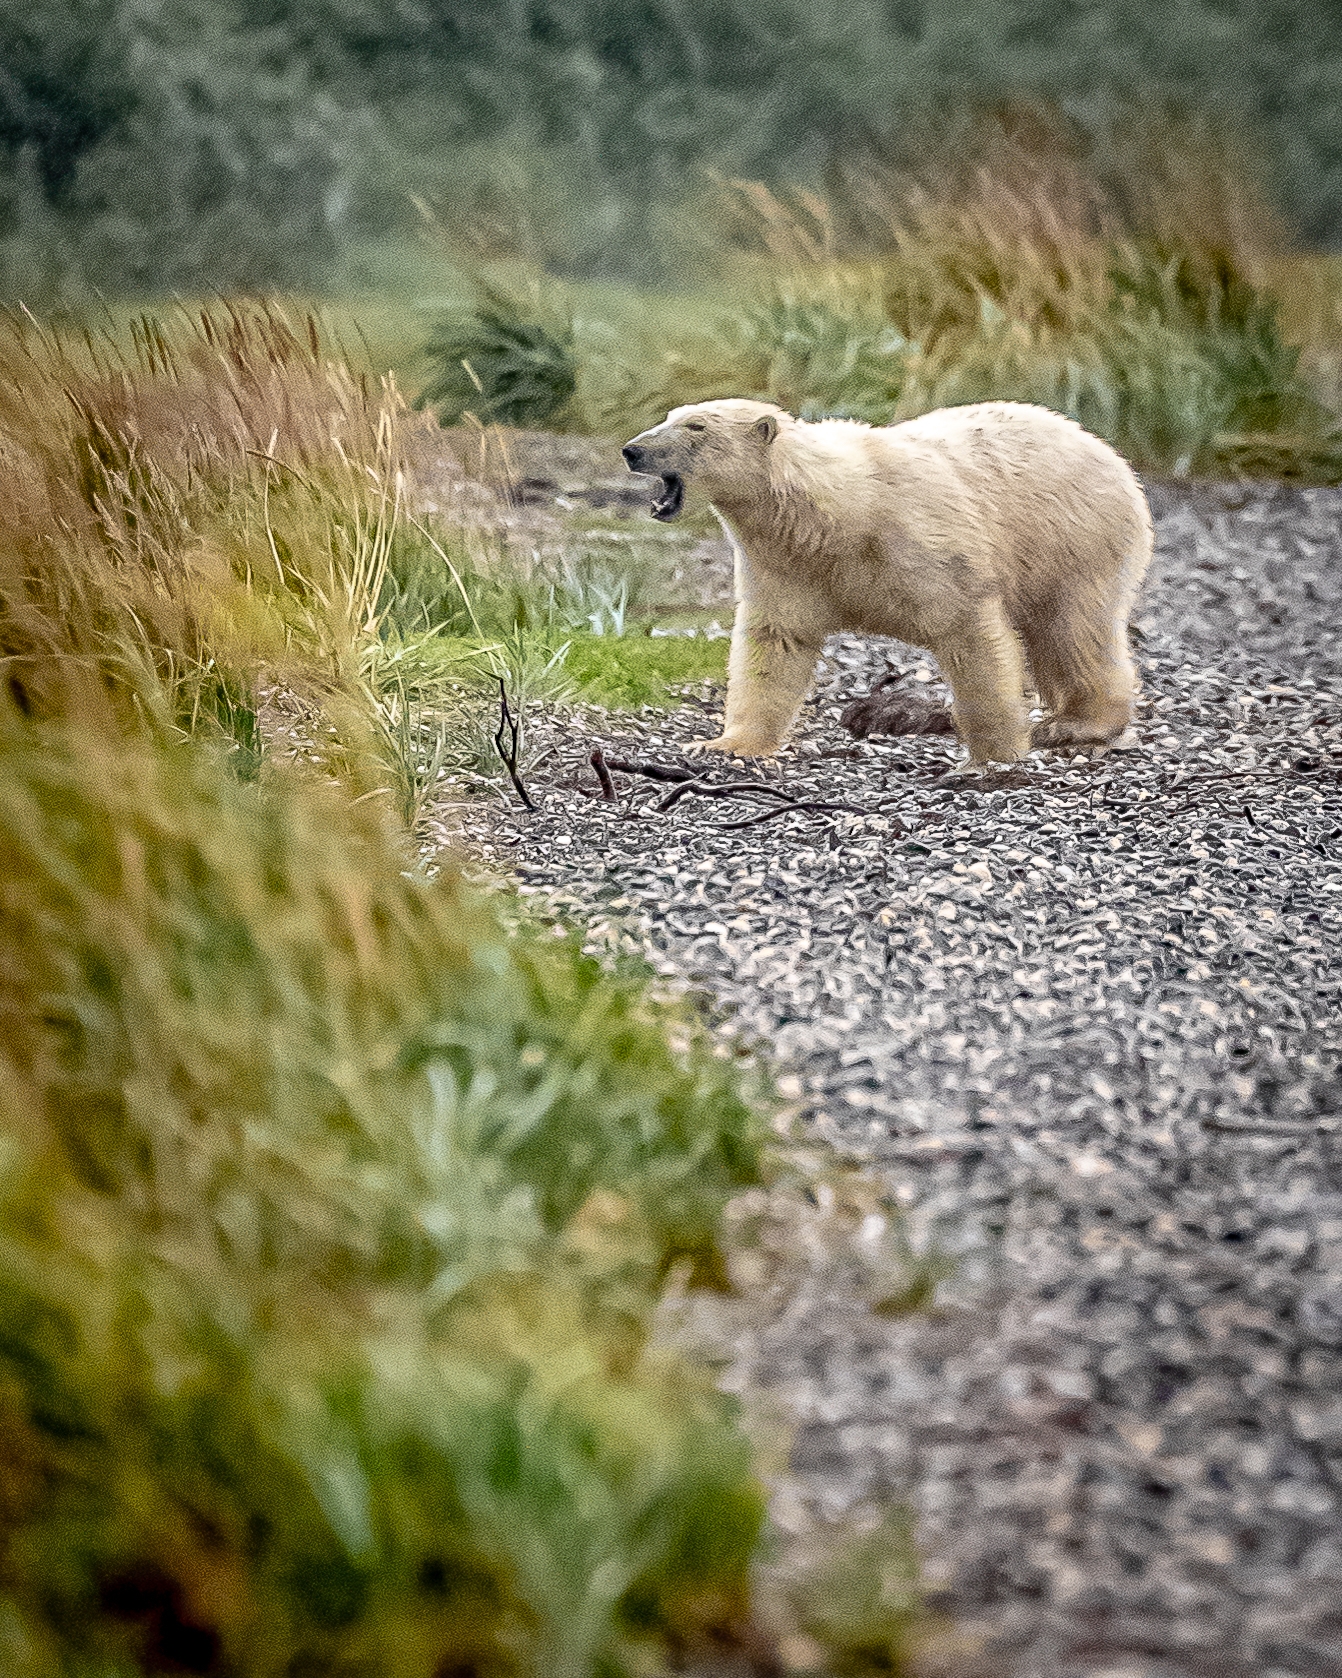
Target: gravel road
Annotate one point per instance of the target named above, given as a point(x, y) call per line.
point(1083, 1021)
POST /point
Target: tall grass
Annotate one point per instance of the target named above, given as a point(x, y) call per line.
point(217, 501)
point(1149, 293)
point(337, 1204)
point(211, 512)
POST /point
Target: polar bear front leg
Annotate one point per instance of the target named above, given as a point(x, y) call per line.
point(768, 674)
point(984, 664)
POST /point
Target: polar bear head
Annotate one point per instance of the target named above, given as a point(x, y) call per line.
point(719, 447)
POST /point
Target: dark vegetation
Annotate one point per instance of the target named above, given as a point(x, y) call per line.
point(504, 364)
point(253, 142)
point(871, 211)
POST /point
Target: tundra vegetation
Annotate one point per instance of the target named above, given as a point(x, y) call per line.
point(1170, 315)
point(340, 1195)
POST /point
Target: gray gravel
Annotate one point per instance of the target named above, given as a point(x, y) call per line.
point(1082, 1020)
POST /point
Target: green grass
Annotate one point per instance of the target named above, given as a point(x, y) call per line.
point(632, 670)
point(861, 1604)
point(1179, 379)
point(620, 672)
point(1187, 363)
point(334, 1216)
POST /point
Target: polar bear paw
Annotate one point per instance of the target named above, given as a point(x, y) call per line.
point(732, 745)
point(1059, 733)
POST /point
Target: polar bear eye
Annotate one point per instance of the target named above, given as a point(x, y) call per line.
point(695, 425)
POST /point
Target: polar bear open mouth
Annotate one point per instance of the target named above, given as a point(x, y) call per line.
point(672, 498)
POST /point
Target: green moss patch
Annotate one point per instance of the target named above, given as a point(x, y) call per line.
point(624, 672)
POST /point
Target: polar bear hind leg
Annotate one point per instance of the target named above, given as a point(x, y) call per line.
point(1086, 679)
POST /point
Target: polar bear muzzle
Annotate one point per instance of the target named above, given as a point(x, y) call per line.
point(668, 504)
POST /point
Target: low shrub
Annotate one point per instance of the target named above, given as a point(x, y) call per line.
point(501, 363)
point(822, 355)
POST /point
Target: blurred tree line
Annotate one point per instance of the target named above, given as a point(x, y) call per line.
point(156, 144)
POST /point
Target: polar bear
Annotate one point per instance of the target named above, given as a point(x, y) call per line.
point(989, 534)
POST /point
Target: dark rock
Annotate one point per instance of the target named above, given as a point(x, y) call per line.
point(888, 710)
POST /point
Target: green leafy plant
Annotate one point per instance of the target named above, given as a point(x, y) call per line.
point(502, 363)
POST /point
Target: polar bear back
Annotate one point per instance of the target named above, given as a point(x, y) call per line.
point(1045, 496)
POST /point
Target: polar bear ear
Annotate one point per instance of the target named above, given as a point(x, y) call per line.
point(765, 428)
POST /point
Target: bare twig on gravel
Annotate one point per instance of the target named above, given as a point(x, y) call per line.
point(509, 723)
point(654, 771)
point(724, 789)
point(793, 804)
point(1275, 1127)
point(598, 762)
point(678, 792)
point(686, 781)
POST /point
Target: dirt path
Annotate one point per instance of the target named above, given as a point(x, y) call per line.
point(1085, 1022)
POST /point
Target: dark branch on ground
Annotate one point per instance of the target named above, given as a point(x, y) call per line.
point(509, 726)
point(598, 762)
point(654, 771)
point(809, 804)
point(723, 789)
point(687, 781)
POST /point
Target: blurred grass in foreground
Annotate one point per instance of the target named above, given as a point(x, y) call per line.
point(337, 1203)
point(334, 1217)
point(336, 1208)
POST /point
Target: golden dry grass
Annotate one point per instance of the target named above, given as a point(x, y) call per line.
point(207, 512)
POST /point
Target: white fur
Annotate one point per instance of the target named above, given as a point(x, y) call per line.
point(991, 535)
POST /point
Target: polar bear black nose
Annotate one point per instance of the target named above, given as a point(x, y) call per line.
point(633, 455)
